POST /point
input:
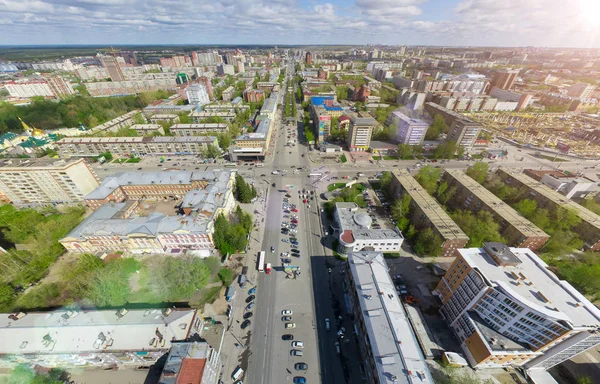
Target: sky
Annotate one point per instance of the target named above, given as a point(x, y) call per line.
point(552, 23)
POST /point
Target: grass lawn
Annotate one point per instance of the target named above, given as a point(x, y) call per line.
point(133, 160)
point(334, 186)
point(120, 160)
point(391, 255)
point(343, 159)
point(551, 158)
point(390, 157)
point(376, 158)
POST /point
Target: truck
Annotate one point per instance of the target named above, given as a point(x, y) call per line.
point(230, 292)
point(268, 268)
point(261, 261)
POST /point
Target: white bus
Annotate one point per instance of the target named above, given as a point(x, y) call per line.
point(261, 261)
point(315, 174)
point(230, 165)
point(260, 165)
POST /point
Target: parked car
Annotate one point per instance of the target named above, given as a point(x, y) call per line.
point(248, 315)
point(290, 325)
point(245, 324)
point(301, 366)
point(297, 344)
point(287, 337)
point(286, 318)
point(299, 380)
point(252, 291)
point(295, 352)
point(287, 312)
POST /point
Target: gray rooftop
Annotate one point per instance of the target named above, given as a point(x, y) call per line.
point(393, 343)
point(354, 219)
point(92, 331)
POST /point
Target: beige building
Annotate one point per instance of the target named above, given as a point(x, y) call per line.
point(197, 129)
point(425, 212)
point(508, 309)
point(45, 181)
point(138, 146)
point(360, 131)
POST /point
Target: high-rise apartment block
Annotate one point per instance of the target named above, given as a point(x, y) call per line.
point(470, 195)
point(45, 181)
point(225, 69)
point(175, 62)
point(581, 90)
point(197, 94)
point(308, 58)
point(60, 87)
point(508, 309)
point(360, 131)
point(27, 89)
point(253, 95)
point(425, 212)
point(113, 67)
point(504, 79)
point(408, 130)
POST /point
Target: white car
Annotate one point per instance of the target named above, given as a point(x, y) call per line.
point(283, 254)
point(290, 325)
point(288, 312)
point(297, 344)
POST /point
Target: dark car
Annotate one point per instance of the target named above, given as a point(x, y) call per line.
point(301, 366)
point(248, 315)
point(263, 175)
point(299, 380)
point(273, 185)
point(287, 337)
point(250, 298)
point(245, 324)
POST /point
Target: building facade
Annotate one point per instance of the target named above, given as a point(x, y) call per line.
point(198, 129)
point(355, 234)
point(27, 89)
point(589, 227)
point(470, 195)
point(197, 94)
point(464, 133)
point(360, 131)
point(108, 339)
point(389, 348)
point(425, 212)
point(408, 130)
point(113, 67)
point(136, 146)
point(508, 309)
point(46, 181)
point(504, 79)
point(192, 363)
point(581, 90)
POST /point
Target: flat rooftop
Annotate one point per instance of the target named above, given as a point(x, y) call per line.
point(36, 163)
point(550, 194)
point(186, 363)
point(505, 211)
point(525, 280)
point(448, 229)
point(356, 220)
point(393, 343)
point(93, 331)
point(409, 120)
point(201, 126)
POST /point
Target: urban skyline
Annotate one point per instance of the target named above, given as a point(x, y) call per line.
point(433, 22)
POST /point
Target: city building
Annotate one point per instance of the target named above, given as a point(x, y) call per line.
point(107, 339)
point(360, 131)
point(113, 67)
point(504, 79)
point(523, 100)
point(581, 90)
point(165, 108)
point(129, 213)
point(225, 69)
point(59, 86)
point(136, 146)
point(147, 129)
point(308, 58)
point(571, 186)
point(126, 120)
point(228, 93)
point(191, 363)
point(408, 130)
point(411, 99)
point(252, 145)
point(353, 228)
point(508, 309)
point(464, 133)
point(164, 118)
point(27, 89)
point(331, 106)
point(321, 121)
point(425, 212)
point(253, 95)
point(197, 94)
point(470, 195)
point(92, 73)
point(198, 129)
point(175, 61)
point(231, 107)
point(45, 181)
point(390, 351)
point(588, 229)
point(200, 116)
point(130, 87)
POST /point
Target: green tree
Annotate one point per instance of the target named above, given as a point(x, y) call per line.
point(24, 374)
point(417, 150)
point(224, 140)
point(526, 207)
point(400, 208)
point(445, 193)
point(341, 92)
point(480, 227)
point(405, 151)
point(226, 276)
point(478, 171)
point(427, 243)
point(445, 150)
point(385, 180)
point(436, 128)
point(243, 192)
point(428, 177)
point(212, 152)
point(107, 156)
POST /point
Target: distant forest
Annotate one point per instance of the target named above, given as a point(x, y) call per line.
point(72, 112)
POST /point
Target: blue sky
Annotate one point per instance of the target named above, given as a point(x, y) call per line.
point(562, 23)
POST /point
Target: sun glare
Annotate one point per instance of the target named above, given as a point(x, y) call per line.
point(590, 12)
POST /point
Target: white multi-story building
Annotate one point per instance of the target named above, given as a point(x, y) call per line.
point(581, 90)
point(355, 233)
point(45, 181)
point(508, 309)
point(191, 362)
point(27, 89)
point(388, 345)
point(98, 339)
point(197, 94)
point(408, 130)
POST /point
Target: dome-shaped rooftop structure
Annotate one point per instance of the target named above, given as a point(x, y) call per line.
point(363, 220)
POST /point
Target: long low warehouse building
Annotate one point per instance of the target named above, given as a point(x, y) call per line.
point(517, 230)
point(138, 146)
point(197, 129)
point(425, 212)
point(588, 229)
